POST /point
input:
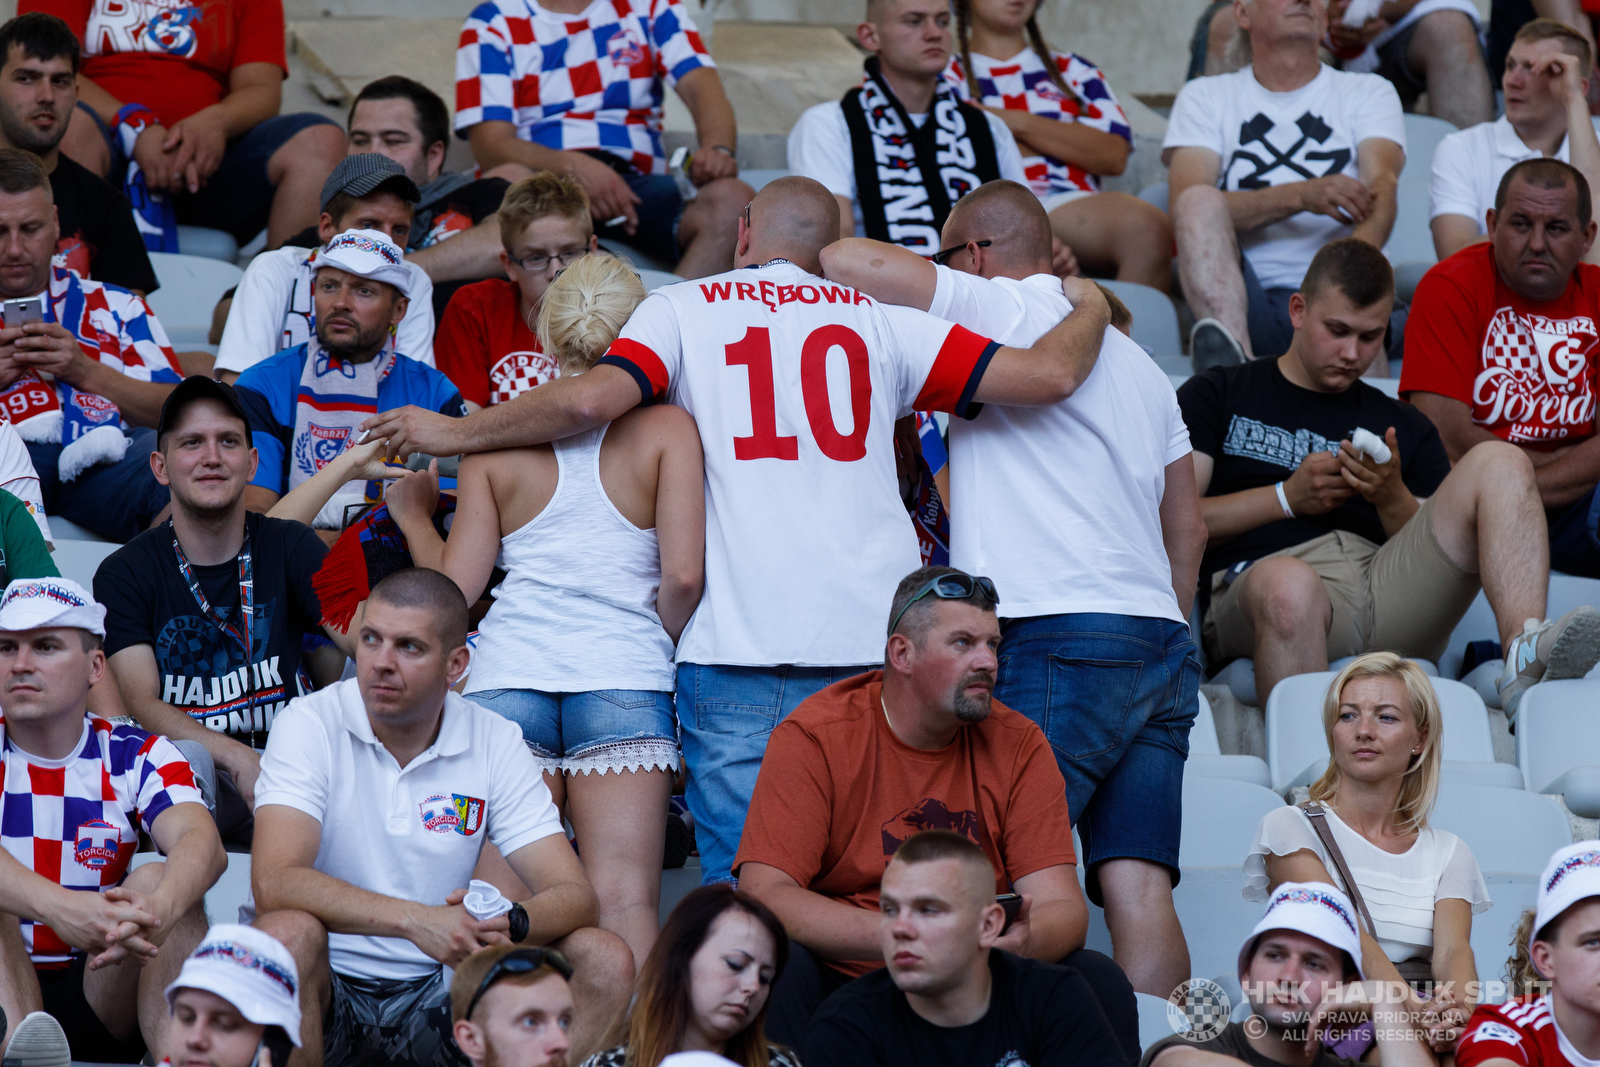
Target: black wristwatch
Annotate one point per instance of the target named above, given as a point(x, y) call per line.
point(518, 918)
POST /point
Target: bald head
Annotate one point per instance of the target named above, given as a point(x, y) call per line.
point(791, 218)
point(1008, 215)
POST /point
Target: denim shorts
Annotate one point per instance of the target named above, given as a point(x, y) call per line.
point(588, 733)
point(238, 197)
point(1115, 696)
point(660, 209)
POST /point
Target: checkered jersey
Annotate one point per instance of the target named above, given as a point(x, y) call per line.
point(1022, 83)
point(76, 821)
point(114, 326)
point(588, 82)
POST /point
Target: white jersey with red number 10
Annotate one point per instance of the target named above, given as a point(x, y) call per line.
point(796, 383)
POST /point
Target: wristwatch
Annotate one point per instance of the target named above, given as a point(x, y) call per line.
point(724, 149)
point(518, 918)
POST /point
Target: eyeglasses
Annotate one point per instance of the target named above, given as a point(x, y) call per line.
point(948, 587)
point(521, 961)
point(944, 255)
point(538, 262)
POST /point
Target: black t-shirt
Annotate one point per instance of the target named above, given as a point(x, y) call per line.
point(450, 206)
point(1257, 427)
point(1233, 1043)
point(98, 234)
point(202, 669)
point(1040, 1015)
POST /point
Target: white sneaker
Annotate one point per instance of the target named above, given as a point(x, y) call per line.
point(1548, 651)
point(38, 1041)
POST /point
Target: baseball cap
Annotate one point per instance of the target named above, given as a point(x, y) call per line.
point(363, 172)
point(368, 254)
point(198, 387)
point(1572, 875)
point(1315, 909)
point(251, 970)
point(37, 603)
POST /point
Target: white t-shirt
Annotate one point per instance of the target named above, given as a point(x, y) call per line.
point(411, 833)
point(272, 310)
point(1061, 505)
point(819, 148)
point(1468, 166)
point(1266, 138)
point(795, 383)
point(18, 477)
point(1400, 891)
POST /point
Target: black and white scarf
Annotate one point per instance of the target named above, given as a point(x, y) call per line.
point(906, 177)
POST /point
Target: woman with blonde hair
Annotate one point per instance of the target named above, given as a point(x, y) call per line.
point(602, 538)
point(1365, 829)
point(705, 986)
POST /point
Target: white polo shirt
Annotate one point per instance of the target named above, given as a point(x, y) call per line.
point(1468, 166)
point(413, 833)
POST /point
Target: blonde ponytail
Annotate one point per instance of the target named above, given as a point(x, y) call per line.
point(585, 308)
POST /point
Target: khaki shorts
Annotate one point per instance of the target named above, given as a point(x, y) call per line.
point(1404, 596)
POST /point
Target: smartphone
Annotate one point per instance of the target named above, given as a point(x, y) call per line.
point(1012, 903)
point(18, 312)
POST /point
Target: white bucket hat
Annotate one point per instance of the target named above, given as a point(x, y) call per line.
point(249, 969)
point(37, 603)
point(368, 254)
point(1315, 909)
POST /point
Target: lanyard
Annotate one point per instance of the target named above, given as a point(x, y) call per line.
point(240, 631)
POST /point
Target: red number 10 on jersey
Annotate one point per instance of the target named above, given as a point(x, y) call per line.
point(754, 352)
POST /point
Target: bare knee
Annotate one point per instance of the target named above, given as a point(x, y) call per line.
point(723, 199)
point(303, 935)
point(318, 148)
point(601, 961)
point(146, 878)
point(1286, 599)
point(1134, 883)
point(1143, 227)
point(1496, 465)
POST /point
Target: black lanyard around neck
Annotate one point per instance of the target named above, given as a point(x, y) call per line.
point(241, 629)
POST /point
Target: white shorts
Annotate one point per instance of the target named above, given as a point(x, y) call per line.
point(1051, 201)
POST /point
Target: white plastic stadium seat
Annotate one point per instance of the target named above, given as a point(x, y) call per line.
point(1423, 134)
point(1491, 932)
point(208, 243)
point(1154, 1023)
point(1566, 592)
point(1158, 194)
point(1411, 239)
point(64, 530)
point(655, 279)
point(1155, 320)
point(79, 560)
point(1407, 275)
point(1220, 817)
point(1297, 748)
point(1215, 916)
point(757, 179)
point(1510, 831)
point(1558, 742)
point(223, 899)
point(190, 289)
point(1207, 760)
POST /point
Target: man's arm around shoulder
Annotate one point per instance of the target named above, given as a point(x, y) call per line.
point(1057, 363)
point(886, 272)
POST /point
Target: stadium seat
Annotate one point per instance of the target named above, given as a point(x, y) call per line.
point(79, 560)
point(224, 899)
point(1478, 624)
point(1215, 917)
point(207, 243)
point(1510, 831)
point(1297, 748)
point(676, 884)
point(1155, 320)
point(759, 178)
point(64, 530)
point(1423, 134)
point(1411, 239)
point(1157, 194)
point(1220, 817)
point(1491, 931)
point(1207, 760)
point(1386, 386)
point(1240, 677)
point(1154, 1022)
point(655, 279)
point(1558, 742)
point(1406, 276)
point(1427, 668)
point(190, 289)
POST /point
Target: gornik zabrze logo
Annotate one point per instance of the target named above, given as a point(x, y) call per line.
point(1535, 375)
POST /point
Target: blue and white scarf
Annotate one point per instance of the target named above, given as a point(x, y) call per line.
point(334, 398)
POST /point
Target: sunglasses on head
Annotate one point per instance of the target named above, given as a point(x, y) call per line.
point(944, 255)
point(949, 587)
point(522, 961)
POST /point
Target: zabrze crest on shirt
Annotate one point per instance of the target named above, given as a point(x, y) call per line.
point(319, 446)
point(1535, 380)
point(469, 814)
point(1278, 155)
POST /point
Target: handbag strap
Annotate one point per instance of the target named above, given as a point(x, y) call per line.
point(1318, 816)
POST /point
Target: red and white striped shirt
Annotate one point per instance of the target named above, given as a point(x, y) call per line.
point(1523, 1031)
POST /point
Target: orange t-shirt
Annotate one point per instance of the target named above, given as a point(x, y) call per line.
point(838, 793)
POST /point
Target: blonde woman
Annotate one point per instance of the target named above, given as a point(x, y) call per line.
point(1420, 886)
point(602, 537)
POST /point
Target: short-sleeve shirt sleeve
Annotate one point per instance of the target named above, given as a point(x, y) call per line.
point(129, 614)
point(1379, 114)
point(1196, 118)
point(650, 348)
point(164, 778)
point(1200, 399)
point(303, 553)
point(940, 364)
point(1038, 831)
point(1489, 1037)
point(1451, 190)
point(1282, 832)
point(1178, 444)
point(1463, 880)
point(261, 33)
point(295, 766)
point(461, 347)
point(977, 303)
point(1443, 340)
point(484, 70)
point(787, 824)
point(679, 49)
point(521, 810)
point(819, 149)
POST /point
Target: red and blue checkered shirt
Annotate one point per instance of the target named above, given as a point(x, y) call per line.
point(76, 821)
point(590, 81)
point(1022, 83)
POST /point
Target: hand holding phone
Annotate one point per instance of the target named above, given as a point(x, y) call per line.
point(1012, 903)
point(21, 312)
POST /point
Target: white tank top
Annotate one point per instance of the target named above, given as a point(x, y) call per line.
point(577, 610)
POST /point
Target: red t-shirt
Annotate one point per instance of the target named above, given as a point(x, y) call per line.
point(838, 793)
point(1526, 370)
point(1522, 1030)
point(485, 348)
point(173, 57)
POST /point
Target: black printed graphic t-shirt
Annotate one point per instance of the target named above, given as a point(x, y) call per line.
point(1257, 427)
point(202, 669)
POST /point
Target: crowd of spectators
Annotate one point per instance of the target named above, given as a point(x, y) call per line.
point(875, 537)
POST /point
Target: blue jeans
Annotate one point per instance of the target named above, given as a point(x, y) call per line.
point(115, 500)
point(725, 715)
point(598, 731)
point(1115, 696)
point(660, 209)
